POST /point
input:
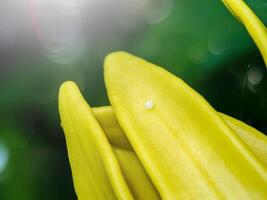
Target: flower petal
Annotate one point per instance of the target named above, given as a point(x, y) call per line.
point(108, 122)
point(253, 24)
point(135, 175)
point(96, 171)
point(132, 169)
point(254, 139)
point(185, 147)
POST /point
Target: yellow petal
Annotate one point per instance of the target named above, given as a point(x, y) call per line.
point(135, 175)
point(96, 171)
point(188, 151)
point(108, 122)
point(132, 170)
point(253, 24)
point(255, 140)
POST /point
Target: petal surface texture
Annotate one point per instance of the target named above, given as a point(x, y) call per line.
point(254, 139)
point(135, 175)
point(188, 151)
point(137, 179)
point(107, 120)
point(95, 168)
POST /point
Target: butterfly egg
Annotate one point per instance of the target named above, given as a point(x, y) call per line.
point(149, 104)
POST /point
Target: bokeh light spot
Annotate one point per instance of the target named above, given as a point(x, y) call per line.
point(4, 156)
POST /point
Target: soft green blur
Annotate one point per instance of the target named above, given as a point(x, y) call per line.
point(199, 41)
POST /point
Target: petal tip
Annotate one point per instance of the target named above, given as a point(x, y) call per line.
point(114, 57)
point(66, 88)
point(67, 85)
point(115, 54)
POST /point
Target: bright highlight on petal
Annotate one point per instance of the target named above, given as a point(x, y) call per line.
point(149, 104)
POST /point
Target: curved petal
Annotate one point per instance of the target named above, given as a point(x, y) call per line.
point(135, 175)
point(96, 171)
point(105, 117)
point(255, 140)
point(185, 147)
point(253, 24)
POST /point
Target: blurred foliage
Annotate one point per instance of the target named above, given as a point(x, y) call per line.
point(200, 42)
point(213, 52)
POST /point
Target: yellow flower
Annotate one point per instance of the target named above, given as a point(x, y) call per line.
point(160, 139)
point(177, 147)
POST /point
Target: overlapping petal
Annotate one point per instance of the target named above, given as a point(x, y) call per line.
point(160, 139)
point(95, 168)
point(255, 140)
point(179, 147)
point(183, 144)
